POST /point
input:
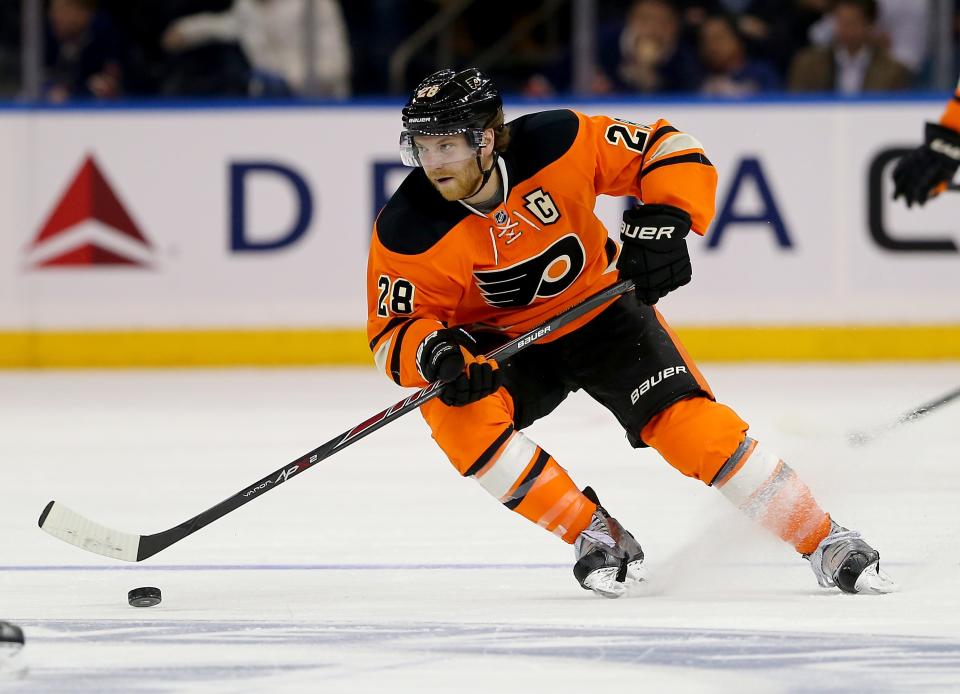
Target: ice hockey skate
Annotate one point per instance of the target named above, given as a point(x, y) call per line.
point(843, 559)
point(609, 559)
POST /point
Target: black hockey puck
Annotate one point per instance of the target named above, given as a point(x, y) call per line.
point(144, 597)
point(11, 637)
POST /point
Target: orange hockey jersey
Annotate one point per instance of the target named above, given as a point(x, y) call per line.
point(436, 263)
point(951, 116)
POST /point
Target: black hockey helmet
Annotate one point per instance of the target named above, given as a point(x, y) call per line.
point(450, 103)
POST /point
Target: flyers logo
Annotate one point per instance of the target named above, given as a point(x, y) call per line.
point(543, 276)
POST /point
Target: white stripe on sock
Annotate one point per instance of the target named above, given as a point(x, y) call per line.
point(509, 466)
point(754, 472)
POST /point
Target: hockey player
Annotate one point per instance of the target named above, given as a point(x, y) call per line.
point(493, 232)
point(927, 170)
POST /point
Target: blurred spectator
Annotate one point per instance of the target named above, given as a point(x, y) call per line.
point(770, 29)
point(85, 53)
point(903, 28)
point(271, 33)
point(105, 48)
point(751, 17)
point(148, 66)
point(853, 62)
point(649, 55)
point(729, 72)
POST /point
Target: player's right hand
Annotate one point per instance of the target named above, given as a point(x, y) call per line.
point(444, 355)
point(921, 172)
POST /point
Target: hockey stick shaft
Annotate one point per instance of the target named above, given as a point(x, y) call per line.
point(73, 528)
point(863, 437)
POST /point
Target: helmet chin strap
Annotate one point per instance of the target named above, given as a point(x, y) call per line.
point(485, 174)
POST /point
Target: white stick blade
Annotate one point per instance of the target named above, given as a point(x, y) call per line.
point(69, 526)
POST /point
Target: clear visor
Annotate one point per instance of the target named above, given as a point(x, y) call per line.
point(436, 150)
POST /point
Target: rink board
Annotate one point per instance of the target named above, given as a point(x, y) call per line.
point(239, 235)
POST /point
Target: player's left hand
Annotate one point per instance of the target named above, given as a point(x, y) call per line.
point(479, 379)
point(654, 253)
point(922, 172)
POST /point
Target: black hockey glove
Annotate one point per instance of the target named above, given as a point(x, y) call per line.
point(467, 378)
point(654, 253)
point(920, 171)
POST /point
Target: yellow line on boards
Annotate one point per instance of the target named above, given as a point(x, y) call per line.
point(285, 347)
point(823, 343)
point(151, 348)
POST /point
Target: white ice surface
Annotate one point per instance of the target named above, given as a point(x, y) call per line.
point(381, 570)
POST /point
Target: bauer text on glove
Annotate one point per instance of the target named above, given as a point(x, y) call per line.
point(654, 253)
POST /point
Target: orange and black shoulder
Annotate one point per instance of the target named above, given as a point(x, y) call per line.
point(417, 216)
point(539, 139)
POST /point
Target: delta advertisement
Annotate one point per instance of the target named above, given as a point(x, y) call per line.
point(210, 218)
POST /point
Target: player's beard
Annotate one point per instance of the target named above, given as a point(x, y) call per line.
point(460, 184)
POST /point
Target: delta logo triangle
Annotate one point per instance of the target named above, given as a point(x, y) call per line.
point(90, 227)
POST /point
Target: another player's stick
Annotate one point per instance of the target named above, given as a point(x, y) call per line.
point(860, 438)
point(69, 526)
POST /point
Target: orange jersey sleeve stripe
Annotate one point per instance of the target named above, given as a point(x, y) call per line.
point(689, 158)
point(659, 134)
point(393, 323)
point(397, 351)
point(686, 180)
point(675, 171)
point(403, 360)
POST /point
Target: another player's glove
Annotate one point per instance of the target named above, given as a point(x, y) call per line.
point(445, 355)
point(920, 172)
point(654, 253)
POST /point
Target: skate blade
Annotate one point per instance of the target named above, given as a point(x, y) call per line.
point(874, 581)
point(604, 581)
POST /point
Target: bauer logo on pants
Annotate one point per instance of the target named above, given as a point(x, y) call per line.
point(89, 226)
point(654, 380)
point(540, 277)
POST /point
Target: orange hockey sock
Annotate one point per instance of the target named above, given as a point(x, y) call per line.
point(554, 502)
point(526, 479)
point(482, 443)
point(770, 492)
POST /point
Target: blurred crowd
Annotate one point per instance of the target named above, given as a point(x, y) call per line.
point(107, 49)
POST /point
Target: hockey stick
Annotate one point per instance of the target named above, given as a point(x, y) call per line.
point(861, 438)
point(71, 527)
